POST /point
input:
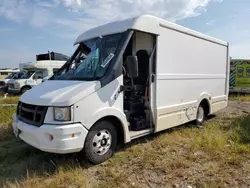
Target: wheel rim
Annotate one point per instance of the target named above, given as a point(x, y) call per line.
point(101, 142)
point(200, 115)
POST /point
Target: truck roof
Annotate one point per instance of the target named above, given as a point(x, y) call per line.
point(9, 70)
point(144, 23)
point(42, 65)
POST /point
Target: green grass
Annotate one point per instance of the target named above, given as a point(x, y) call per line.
point(9, 100)
point(215, 155)
point(5, 122)
point(240, 97)
point(241, 130)
point(6, 114)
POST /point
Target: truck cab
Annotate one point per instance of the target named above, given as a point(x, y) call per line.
point(33, 74)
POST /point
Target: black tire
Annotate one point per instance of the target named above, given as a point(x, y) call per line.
point(89, 148)
point(24, 89)
point(201, 115)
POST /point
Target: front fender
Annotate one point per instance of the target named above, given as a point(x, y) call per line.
point(104, 112)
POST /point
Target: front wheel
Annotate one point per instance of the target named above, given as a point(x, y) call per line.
point(101, 142)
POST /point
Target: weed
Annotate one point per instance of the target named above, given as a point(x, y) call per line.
point(241, 130)
point(215, 155)
point(5, 122)
point(9, 100)
point(69, 177)
point(6, 114)
point(240, 97)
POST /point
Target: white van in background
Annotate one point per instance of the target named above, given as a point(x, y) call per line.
point(126, 79)
point(33, 73)
point(4, 81)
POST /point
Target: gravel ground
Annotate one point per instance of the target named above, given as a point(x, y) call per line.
point(236, 107)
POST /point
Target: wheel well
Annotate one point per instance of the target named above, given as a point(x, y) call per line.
point(118, 125)
point(206, 106)
point(26, 86)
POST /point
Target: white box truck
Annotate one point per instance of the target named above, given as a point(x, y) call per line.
point(33, 74)
point(126, 79)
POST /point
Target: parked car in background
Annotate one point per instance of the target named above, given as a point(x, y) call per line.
point(4, 82)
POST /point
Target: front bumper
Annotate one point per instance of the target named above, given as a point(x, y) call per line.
point(59, 139)
point(3, 89)
point(14, 90)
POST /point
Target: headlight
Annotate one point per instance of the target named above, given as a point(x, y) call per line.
point(62, 114)
point(16, 84)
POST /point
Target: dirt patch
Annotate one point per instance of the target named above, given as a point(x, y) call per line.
point(236, 108)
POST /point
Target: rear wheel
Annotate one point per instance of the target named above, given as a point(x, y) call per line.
point(101, 142)
point(201, 115)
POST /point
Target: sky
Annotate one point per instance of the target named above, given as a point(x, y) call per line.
point(31, 27)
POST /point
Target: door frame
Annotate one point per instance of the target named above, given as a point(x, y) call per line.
point(152, 83)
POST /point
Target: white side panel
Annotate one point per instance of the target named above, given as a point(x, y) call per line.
point(188, 70)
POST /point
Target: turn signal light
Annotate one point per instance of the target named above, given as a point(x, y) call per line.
point(51, 137)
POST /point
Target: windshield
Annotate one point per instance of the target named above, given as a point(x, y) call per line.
point(91, 59)
point(10, 76)
point(26, 74)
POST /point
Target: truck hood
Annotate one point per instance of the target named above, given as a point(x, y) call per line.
point(4, 80)
point(60, 93)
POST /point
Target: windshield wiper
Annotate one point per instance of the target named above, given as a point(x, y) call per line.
point(82, 78)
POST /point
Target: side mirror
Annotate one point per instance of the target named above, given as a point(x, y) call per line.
point(132, 66)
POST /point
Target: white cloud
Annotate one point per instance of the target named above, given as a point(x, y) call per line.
point(92, 13)
point(68, 18)
point(13, 10)
point(40, 17)
point(82, 14)
point(112, 9)
point(69, 3)
point(45, 4)
point(21, 11)
point(210, 22)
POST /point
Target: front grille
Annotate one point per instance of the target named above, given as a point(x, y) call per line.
point(2, 83)
point(31, 114)
point(11, 85)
